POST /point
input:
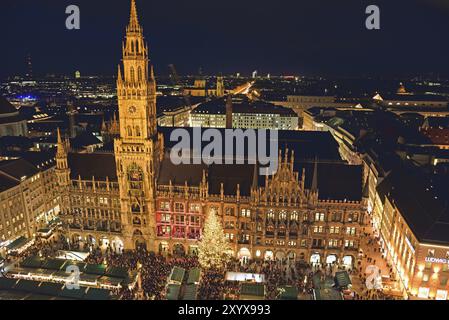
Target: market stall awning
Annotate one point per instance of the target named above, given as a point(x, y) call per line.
point(89, 278)
point(31, 262)
point(50, 288)
point(7, 283)
point(98, 269)
point(53, 264)
point(177, 275)
point(18, 243)
point(194, 276)
point(328, 294)
point(173, 291)
point(27, 286)
point(117, 272)
point(97, 294)
point(72, 294)
point(110, 281)
point(45, 232)
point(342, 279)
point(252, 291)
point(190, 292)
point(288, 293)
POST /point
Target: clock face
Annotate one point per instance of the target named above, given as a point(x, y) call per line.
point(132, 109)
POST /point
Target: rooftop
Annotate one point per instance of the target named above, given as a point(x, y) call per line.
point(242, 105)
point(427, 211)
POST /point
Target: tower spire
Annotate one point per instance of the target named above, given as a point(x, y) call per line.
point(119, 74)
point(314, 186)
point(60, 145)
point(133, 20)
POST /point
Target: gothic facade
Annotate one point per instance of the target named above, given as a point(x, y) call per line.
point(312, 208)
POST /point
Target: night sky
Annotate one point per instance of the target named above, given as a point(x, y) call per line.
point(313, 37)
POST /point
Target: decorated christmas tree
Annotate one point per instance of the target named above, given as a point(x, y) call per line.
point(213, 248)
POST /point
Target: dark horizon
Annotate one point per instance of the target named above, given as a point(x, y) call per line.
point(319, 37)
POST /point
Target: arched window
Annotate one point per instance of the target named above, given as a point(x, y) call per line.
point(282, 215)
point(139, 74)
point(131, 71)
point(137, 131)
point(137, 45)
point(129, 131)
point(135, 177)
point(135, 208)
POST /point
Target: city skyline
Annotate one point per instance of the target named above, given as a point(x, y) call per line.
point(225, 187)
point(312, 38)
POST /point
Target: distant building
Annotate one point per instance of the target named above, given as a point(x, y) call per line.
point(178, 117)
point(312, 209)
point(28, 194)
point(173, 111)
point(414, 231)
point(11, 122)
point(220, 87)
point(300, 103)
point(405, 100)
point(437, 130)
point(200, 88)
point(86, 142)
point(77, 74)
point(245, 114)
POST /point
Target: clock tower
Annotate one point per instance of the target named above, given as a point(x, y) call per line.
point(139, 147)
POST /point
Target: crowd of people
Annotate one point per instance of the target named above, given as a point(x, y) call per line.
point(152, 270)
point(214, 284)
point(40, 248)
point(372, 254)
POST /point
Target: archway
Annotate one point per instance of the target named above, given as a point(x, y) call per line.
point(76, 238)
point(140, 244)
point(164, 248)
point(193, 250)
point(90, 240)
point(244, 255)
point(103, 242)
point(179, 250)
point(280, 255)
point(269, 255)
point(348, 261)
point(330, 259)
point(315, 258)
point(117, 245)
point(291, 256)
point(139, 240)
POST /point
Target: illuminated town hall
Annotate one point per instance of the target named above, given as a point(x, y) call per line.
point(247, 179)
point(311, 209)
